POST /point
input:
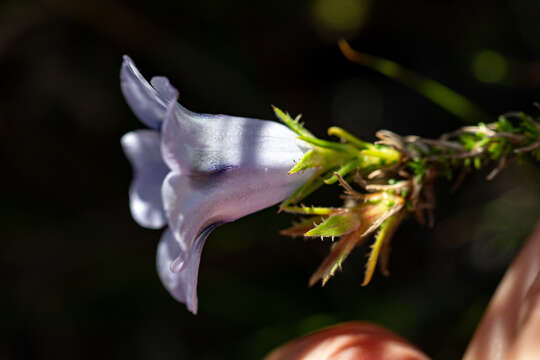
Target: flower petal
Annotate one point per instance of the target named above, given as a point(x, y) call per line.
point(223, 168)
point(196, 203)
point(142, 148)
point(147, 103)
point(205, 144)
point(181, 284)
point(164, 88)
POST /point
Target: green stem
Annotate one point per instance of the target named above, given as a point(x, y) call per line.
point(439, 94)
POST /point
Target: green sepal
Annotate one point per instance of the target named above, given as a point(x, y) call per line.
point(293, 124)
point(326, 161)
point(310, 160)
point(344, 170)
point(348, 137)
point(313, 183)
point(336, 225)
point(346, 148)
point(317, 158)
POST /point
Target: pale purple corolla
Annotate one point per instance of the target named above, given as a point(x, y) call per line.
point(193, 172)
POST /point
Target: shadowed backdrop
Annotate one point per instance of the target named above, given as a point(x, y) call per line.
point(78, 275)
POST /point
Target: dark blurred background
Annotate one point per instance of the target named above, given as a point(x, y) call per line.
point(78, 275)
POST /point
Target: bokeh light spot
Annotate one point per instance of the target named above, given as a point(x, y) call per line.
point(489, 66)
point(341, 15)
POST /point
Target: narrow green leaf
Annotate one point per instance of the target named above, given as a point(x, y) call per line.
point(301, 227)
point(383, 237)
point(339, 252)
point(337, 225)
point(439, 94)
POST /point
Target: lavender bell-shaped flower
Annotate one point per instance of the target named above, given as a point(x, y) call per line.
point(194, 172)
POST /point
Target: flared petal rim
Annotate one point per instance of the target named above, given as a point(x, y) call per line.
point(166, 91)
point(142, 148)
point(194, 204)
point(145, 101)
point(182, 285)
